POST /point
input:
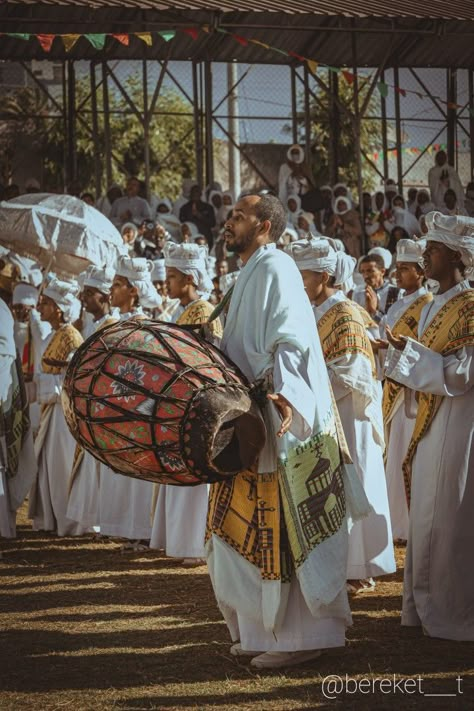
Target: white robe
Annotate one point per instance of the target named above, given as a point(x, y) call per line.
point(124, 503)
point(312, 611)
point(438, 590)
point(358, 398)
point(401, 430)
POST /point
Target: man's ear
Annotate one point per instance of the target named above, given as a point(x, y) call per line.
point(265, 226)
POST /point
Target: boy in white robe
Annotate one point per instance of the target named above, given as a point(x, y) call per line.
point(83, 503)
point(280, 585)
point(125, 503)
point(351, 369)
point(404, 316)
point(438, 589)
point(179, 521)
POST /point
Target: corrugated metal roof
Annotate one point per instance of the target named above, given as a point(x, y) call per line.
point(434, 9)
point(429, 33)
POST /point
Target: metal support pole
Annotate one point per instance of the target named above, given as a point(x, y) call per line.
point(146, 129)
point(71, 123)
point(107, 144)
point(294, 106)
point(451, 115)
point(307, 118)
point(383, 108)
point(471, 118)
point(398, 129)
point(357, 139)
point(197, 125)
point(208, 119)
point(95, 133)
point(233, 110)
point(334, 129)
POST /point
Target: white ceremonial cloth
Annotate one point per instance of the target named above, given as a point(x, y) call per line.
point(438, 589)
point(179, 523)
point(401, 429)
point(280, 337)
point(358, 398)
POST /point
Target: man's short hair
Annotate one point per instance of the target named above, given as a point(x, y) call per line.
point(373, 258)
point(269, 207)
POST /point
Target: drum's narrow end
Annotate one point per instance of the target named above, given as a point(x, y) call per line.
point(238, 443)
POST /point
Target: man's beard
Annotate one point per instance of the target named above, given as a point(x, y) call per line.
point(243, 243)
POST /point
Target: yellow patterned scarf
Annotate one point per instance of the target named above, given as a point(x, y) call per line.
point(198, 312)
point(407, 325)
point(342, 330)
point(451, 329)
point(65, 340)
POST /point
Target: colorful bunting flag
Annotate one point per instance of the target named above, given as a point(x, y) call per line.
point(192, 32)
point(46, 41)
point(400, 91)
point(96, 40)
point(348, 76)
point(145, 37)
point(312, 66)
point(123, 39)
point(383, 89)
point(241, 40)
point(168, 35)
point(69, 41)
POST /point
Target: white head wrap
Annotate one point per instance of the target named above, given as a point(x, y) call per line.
point(337, 201)
point(166, 202)
point(320, 255)
point(325, 188)
point(100, 279)
point(385, 254)
point(409, 250)
point(190, 259)
point(192, 229)
point(391, 188)
point(289, 235)
point(211, 267)
point(138, 272)
point(159, 270)
point(299, 158)
point(297, 199)
point(457, 233)
point(30, 271)
point(227, 281)
point(25, 294)
point(373, 202)
point(340, 185)
point(63, 293)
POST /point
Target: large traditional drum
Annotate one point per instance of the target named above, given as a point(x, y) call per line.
point(155, 401)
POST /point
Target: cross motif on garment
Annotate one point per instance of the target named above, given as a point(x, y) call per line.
point(261, 510)
point(252, 487)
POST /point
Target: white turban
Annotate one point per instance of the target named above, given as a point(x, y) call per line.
point(138, 272)
point(320, 255)
point(385, 254)
point(410, 250)
point(190, 259)
point(456, 232)
point(299, 158)
point(159, 270)
point(64, 293)
point(25, 294)
point(100, 279)
point(346, 202)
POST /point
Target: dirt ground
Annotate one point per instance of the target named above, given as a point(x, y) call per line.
point(84, 625)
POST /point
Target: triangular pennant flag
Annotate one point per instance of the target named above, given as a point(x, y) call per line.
point(145, 37)
point(192, 32)
point(296, 56)
point(280, 51)
point(18, 35)
point(260, 44)
point(168, 35)
point(453, 106)
point(69, 41)
point(420, 96)
point(335, 70)
point(402, 92)
point(348, 76)
point(123, 39)
point(96, 40)
point(383, 89)
point(312, 66)
point(206, 28)
point(46, 41)
point(240, 40)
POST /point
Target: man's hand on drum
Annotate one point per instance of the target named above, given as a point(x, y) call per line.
point(285, 410)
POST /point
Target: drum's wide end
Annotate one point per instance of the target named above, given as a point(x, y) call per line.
point(225, 433)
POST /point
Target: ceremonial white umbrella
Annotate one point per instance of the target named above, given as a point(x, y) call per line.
point(61, 232)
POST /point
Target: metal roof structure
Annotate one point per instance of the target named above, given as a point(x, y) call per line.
point(414, 33)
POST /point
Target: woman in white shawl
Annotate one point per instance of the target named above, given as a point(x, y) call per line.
point(404, 218)
point(164, 215)
point(345, 225)
point(293, 205)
